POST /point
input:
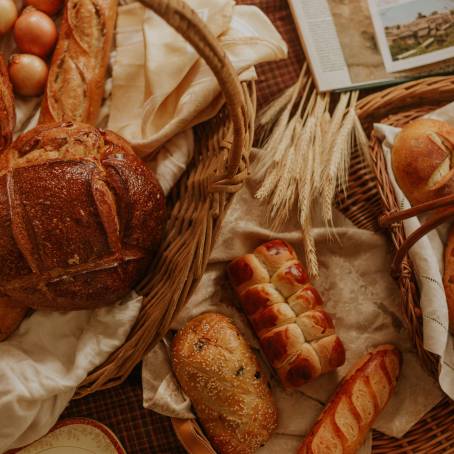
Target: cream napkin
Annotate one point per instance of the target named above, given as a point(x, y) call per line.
point(178, 90)
point(44, 361)
point(358, 291)
point(427, 258)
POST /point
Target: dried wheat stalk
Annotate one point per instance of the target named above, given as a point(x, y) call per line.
point(305, 145)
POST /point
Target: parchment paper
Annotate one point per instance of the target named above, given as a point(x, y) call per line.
point(358, 292)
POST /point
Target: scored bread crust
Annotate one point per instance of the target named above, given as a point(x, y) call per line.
point(7, 110)
point(422, 160)
point(75, 85)
point(223, 379)
point(360, 397)
point(286, 312)
point(80, 218)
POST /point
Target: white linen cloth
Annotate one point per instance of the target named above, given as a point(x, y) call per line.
point(359, 293)
point(427, 258)
point(157, 77)
point(178, 89)
point(44, 361)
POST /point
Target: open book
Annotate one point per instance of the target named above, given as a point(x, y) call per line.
point(361, 43)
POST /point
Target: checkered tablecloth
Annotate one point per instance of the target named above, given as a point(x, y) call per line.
point(142, 431)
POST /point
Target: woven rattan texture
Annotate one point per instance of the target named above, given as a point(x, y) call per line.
point(143, 431)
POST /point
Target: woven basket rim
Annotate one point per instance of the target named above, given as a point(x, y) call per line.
point(397, 106)
point(216, 172)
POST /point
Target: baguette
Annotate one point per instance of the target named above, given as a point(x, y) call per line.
point(358, 400)
point(7, 111)
point(296, 335)
point(75, 85)
point(229, 392)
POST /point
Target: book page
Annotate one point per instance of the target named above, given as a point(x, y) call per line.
point(320, 40)
point(356, 45)
point(413, 33)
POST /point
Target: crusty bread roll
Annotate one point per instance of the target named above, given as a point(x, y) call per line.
point(423, 163)
point(285, 310)
point(448, 277)
point(7, 110)
point(423, 158)
point(229, 392)
point(358, 400)
point(75, 85)
point(80, 218)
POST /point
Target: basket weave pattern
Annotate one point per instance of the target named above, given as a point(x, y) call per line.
point(201, 198)
point(197, 204)
point(398, 106)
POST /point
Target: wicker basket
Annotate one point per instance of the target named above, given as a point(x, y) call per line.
point(197, 205)
point(369, 195)
point(364, 204)
point(219, 169)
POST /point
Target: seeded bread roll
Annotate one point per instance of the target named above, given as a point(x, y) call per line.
point(7, 112)
point(285, 310)
point(358, 400)
point(229, 392)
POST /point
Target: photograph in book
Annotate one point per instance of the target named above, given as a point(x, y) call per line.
point(411, 33)
point(341, 39)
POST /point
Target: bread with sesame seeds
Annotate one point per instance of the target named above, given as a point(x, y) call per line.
point(220, 374)
point(286, 313)
point(344, 423)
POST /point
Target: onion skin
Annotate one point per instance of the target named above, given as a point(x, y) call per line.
point(28, 74)
point(50, 7)
point(35, 32)
point(8, 15)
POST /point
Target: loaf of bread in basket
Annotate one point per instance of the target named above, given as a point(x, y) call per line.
point(423, 163)
point(80, 218)
point(75, 85)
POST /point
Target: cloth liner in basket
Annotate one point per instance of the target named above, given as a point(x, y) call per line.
point(427, 258)
point(371, 195)
point(199, 202)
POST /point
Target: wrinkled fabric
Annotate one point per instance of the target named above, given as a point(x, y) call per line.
point(358, 292)
point(427, 258)
point(178, 90)
point(45, 360)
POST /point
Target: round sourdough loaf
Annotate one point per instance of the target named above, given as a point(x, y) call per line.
point(80, 217)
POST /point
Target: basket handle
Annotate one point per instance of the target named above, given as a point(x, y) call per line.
point(189, 25)
point(438, 218)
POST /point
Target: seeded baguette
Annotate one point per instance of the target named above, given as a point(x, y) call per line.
point(75, 85)
point(361, 396)
point(228, 390)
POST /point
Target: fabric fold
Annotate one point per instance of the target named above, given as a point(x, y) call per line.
point(159, 107)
